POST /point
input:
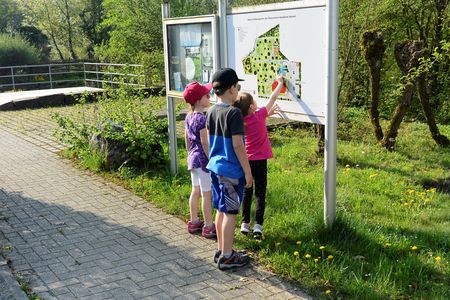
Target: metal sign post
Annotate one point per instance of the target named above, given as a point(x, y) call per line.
point(223, 41)
point(332, 13)
point(170, 103)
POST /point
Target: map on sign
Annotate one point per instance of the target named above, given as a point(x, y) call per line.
point(267, 60)
point(287, 38)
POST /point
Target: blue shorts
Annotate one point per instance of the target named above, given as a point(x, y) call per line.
point(227, 193)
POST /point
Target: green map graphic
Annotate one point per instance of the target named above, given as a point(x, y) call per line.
point(266, 61)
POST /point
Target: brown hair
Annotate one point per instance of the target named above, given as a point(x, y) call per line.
point(191, 108)
point(243, 102)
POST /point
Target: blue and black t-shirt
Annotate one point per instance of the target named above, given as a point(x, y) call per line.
point(223, 121)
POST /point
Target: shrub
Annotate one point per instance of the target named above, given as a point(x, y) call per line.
point(14, 50)
point(142, 133)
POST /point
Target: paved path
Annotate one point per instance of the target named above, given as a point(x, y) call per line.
point(70, 234)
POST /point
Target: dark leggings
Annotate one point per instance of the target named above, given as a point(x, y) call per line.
point(259, 173)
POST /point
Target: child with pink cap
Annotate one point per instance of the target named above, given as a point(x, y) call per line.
point(197, 145)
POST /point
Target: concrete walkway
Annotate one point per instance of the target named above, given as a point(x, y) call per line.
point(73, 235)
point(31, 95)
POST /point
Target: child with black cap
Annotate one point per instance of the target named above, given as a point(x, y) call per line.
point(228, 165)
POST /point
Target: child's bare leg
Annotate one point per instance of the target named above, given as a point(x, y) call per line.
point(193, 203)
point(219, 223)
point(207, 208)
point(228, 227)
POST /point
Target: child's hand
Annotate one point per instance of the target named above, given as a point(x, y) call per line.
point(280, 79)
point(274, 110)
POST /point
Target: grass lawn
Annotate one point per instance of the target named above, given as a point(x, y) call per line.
point(391, 237)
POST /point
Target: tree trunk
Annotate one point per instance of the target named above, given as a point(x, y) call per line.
point(52, 33)
point(440, 139)
point(69, 31)
point(320, 139)
point(404, 53)
point(392, 131)
point(372, 46)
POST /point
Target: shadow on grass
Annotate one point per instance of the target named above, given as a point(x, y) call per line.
point(442, 184)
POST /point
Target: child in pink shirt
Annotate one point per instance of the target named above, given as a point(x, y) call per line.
point(259, 150)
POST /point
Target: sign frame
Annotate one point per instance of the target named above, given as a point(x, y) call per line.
point(212, 19)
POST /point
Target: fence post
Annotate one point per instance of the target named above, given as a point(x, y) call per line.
point(50, 75)
point(96, 73)
point(12, 77)
point(84, 73)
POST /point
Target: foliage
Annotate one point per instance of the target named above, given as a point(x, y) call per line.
point(135, 28)
point(411, 19)
point(91, 16)
point(10, 16)
point(14, 50)
point(60, 21)
point(37, 39)
point(144, 134)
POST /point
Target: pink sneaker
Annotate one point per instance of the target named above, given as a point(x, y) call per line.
point(194, 227)
point(210, 232)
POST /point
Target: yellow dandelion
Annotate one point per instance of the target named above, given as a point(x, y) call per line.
point(316, 259)
point(405, 204)
point(322, 247)
point(387, 245)
point(432, 190)
point(438, 258)
point(308, 255)
point(373, 175)
point(296, 253)
point(410, 191)
point(299, 242)
point(414, 248)
point(330, 257)
point(327, 292)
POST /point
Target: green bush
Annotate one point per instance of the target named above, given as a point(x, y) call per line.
point(143, 134)
point(153, 67)
point(14, 50)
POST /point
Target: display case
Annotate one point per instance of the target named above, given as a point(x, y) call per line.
point(190, 51)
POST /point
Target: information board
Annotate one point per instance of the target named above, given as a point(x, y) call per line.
point(190, 51)
point(284, 38)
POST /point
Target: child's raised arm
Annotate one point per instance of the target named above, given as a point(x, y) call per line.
point(275, 93)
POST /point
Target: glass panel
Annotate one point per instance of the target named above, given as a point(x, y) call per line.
point(190, 54)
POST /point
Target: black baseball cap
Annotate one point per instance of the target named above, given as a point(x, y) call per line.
point(224, 77)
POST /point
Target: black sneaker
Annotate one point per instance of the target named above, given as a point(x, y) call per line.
point(236, 260)
point(217, 255)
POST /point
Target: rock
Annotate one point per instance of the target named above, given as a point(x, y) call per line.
point(113, 151)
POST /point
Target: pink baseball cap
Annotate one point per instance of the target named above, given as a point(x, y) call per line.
point(194, 91)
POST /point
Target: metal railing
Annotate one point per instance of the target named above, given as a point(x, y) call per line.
point(70, 74)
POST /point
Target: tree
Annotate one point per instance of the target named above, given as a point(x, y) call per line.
point(60, 21)
point(91, 17)
point(10, 16)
